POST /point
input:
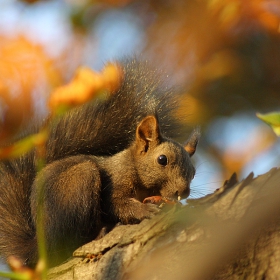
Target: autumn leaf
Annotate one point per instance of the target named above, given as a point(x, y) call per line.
point(24, 145)
point(85, 85)
point(221, 64)
point(272, 119)
point(25, 69)
point(261, 13)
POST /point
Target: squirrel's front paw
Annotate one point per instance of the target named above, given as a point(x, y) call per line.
point(138, 211)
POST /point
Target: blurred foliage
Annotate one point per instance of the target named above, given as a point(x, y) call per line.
point(273, 120)
point(224, 53)
point(84, 87)
point(24, 67)
point(24, 145)
point(20, 271)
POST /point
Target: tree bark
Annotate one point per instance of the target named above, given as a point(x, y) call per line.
point(233, 233)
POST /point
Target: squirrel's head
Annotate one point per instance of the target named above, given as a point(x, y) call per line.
point(163, 166)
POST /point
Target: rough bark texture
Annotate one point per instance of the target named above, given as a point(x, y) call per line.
point(231, 234)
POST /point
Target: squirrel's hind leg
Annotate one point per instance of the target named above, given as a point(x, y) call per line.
point(71, 205)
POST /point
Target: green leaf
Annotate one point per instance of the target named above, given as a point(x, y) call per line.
point(272, 119)
point(24, 145)
point(16, 275)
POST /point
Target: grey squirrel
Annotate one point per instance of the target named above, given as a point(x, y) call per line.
point(102, 160)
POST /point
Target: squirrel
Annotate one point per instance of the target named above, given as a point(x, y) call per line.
point(102, 160)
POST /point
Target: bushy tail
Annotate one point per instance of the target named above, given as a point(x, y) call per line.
point(107, 127)
point(17, 232)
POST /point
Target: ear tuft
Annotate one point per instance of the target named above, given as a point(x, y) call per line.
point(192, 142)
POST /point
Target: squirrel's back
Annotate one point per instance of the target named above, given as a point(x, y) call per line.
point(108, 126)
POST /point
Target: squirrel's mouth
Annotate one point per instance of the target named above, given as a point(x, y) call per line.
point(177, 196)
point(142, 195)
point(173, 197)
point(162, 200)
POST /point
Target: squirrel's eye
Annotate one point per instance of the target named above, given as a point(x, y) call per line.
point(162, 160)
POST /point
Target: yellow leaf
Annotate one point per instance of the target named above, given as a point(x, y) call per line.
point(24, 145)
point(272, 119)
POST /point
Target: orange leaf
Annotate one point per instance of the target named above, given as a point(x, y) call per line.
point(85, 85)
point(24, 67)
point(259, 12)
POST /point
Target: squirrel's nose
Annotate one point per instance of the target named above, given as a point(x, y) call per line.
point(183, 194)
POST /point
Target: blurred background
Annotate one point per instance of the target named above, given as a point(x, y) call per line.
point(225, 54)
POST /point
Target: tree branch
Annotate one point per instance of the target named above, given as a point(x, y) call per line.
point(232, 232)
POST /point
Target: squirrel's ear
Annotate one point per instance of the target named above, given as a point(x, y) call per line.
point(147, 133)
point(192, 142)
